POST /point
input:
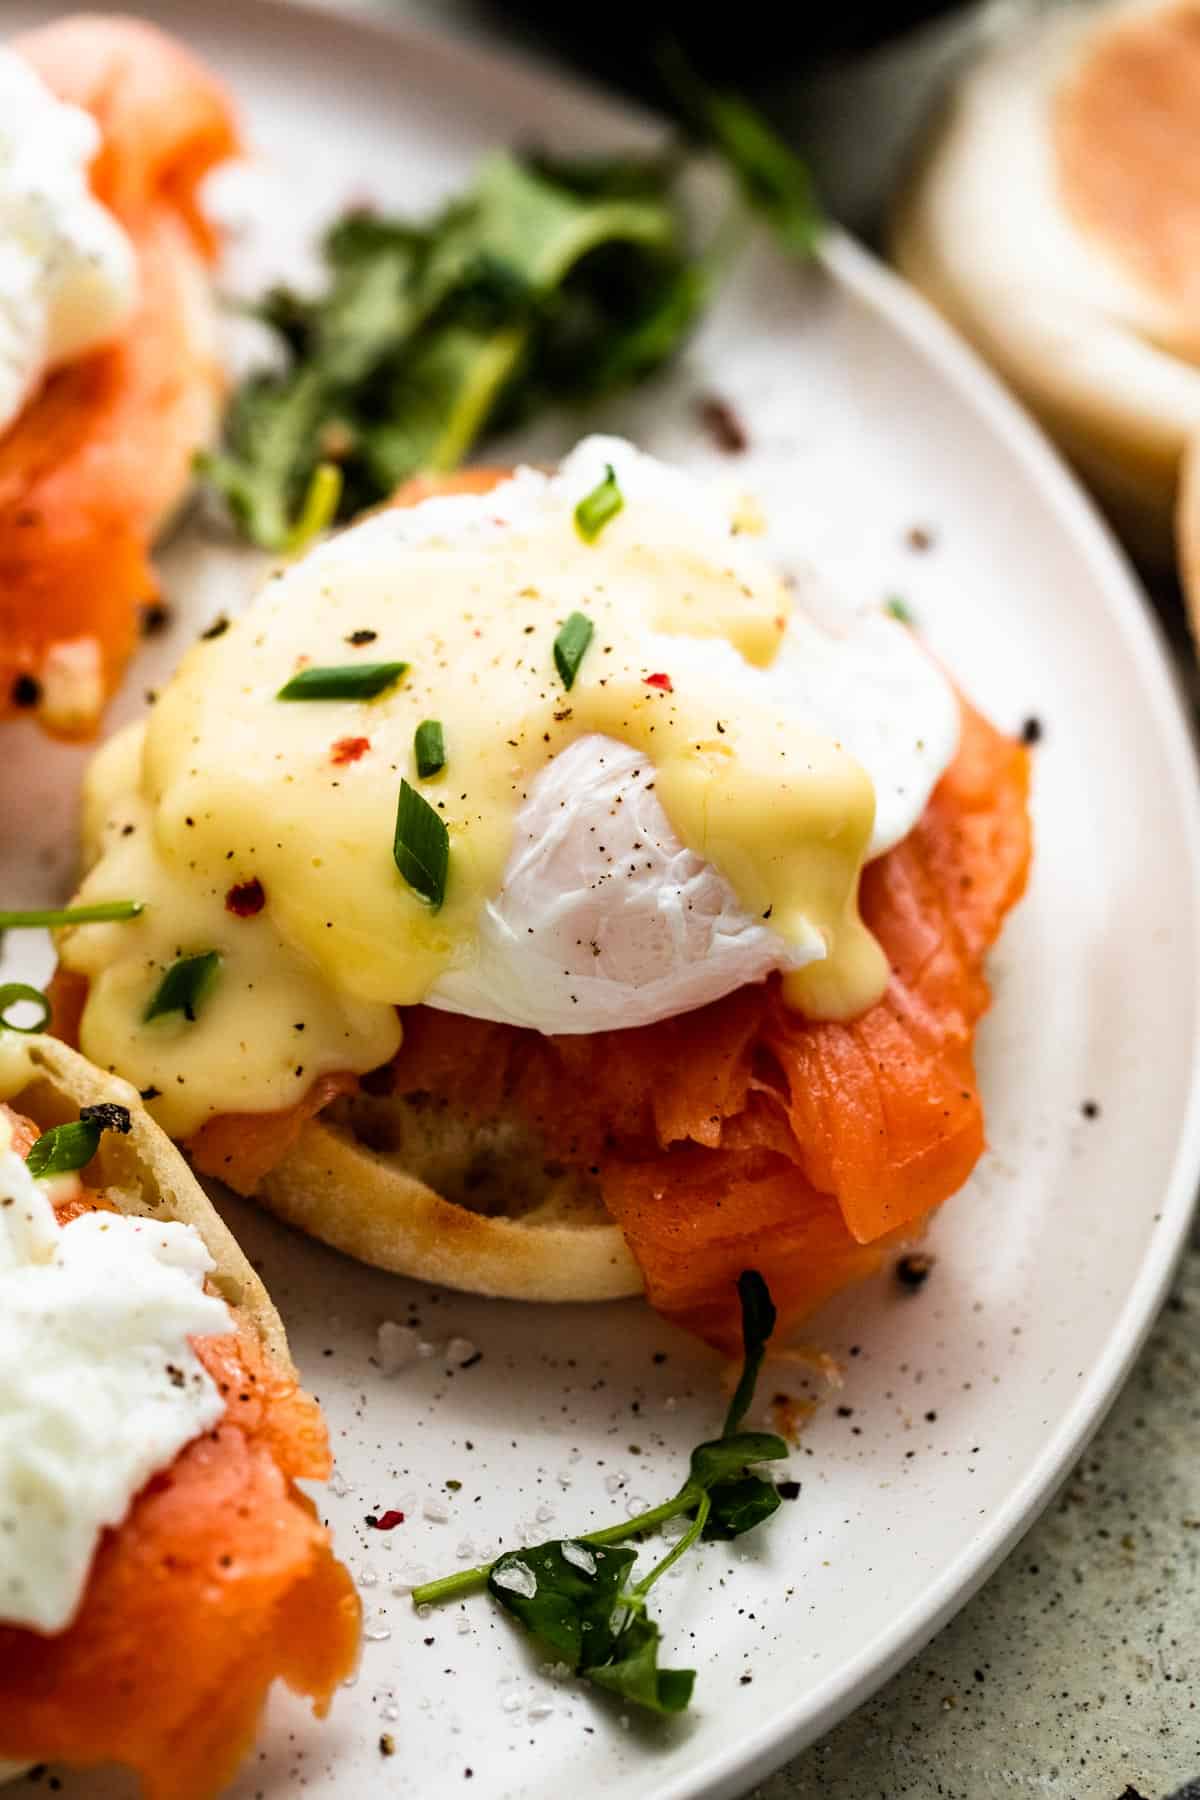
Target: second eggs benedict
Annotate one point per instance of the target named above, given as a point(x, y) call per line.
point(564, 766)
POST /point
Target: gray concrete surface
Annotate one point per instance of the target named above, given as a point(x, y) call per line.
point(1074, 1673)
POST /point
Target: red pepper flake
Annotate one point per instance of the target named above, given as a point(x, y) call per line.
point(662, 682)
point(723, 425)
point(348, 750)
point(387, 1521)
point(245, 898)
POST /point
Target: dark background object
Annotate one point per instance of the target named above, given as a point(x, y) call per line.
point(744, 43)
point(849, 85)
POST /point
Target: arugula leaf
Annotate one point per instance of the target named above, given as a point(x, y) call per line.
point(632, 1670)
point(727, 1458)
point(569, 1596)
point(548, 282)
point(567, 1602)
point(570, 1593)
point(738, 1500)
point(739, 1505)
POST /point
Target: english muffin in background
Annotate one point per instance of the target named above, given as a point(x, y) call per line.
point(1053, 215)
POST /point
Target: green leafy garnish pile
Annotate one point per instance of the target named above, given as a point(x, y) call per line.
point(547, 281)
point(572, 1594)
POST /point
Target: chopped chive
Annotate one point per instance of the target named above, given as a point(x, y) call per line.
point(349, 681)
point(597, 508)
point(570, 646)
point(898, 609)
point(19, 993)
point(429, 743)
point(65, 1148)
point(319, 509)
point(101, 913)
point(183, 987)
point(421, 846)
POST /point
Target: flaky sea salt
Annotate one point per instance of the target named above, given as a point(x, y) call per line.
point(579, 1556)
point(460, 1350)
point(397, 1346)
point(339, 1487)
point(517, 1578)
point(544, 1514)
point(436, 1511)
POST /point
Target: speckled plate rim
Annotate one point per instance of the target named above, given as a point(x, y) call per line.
point(754, 1754)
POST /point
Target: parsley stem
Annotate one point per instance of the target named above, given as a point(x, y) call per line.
point(703, 1508)
point(469, 1581)
point(452, 1587)
point(657, 1515)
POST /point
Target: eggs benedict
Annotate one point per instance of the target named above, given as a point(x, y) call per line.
point(495, 854)
point(109, 375)
point(159, 1568)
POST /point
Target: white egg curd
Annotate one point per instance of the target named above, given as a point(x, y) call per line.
point(99, 1385)
point(68, 273)
point(643, 778)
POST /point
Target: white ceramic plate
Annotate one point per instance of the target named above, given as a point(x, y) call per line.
point(962, 1407)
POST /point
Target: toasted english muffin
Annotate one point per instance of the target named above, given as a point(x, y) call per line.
point(141, 1171)
point(406, 1183)
point(1053, 215)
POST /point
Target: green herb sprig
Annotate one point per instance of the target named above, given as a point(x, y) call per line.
point(346, 681)
point(597, 508)
point(19, 993)
point(571, 1594)
point(65, 1148)
point(570, 647)
point(429, 748)
point(186, 984)
point(421, 846)
point(101, 913)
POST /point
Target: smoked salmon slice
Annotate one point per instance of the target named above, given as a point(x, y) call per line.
point(744, 1135)
point(102, 454)
point(220, 1581)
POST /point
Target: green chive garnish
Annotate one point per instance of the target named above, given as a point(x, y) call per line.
point(597, 508)
point(350, 681)
point(430, 747)
point(185, 984)
point(101, 914)
point(570, 646)
point(65, 1148)
point(421, 846)
point(898, 609)
point(319, 509)
point(19, 993)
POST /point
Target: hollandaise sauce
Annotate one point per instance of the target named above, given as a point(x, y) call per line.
point(447, 655)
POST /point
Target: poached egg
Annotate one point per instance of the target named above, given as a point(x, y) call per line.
point(68, 272)
point(691, 814)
